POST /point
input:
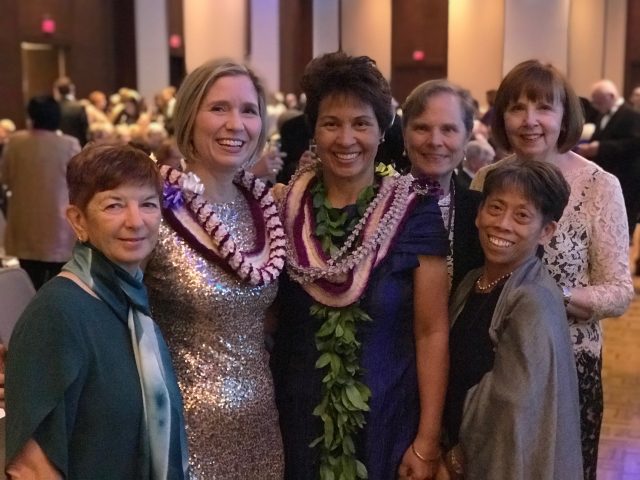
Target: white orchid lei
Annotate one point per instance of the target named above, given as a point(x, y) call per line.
point(183, 192)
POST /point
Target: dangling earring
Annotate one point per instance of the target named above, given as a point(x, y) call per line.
point(313, 149)
point(381, 139)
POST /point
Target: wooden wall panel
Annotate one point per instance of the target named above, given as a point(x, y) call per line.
point(632, 55)
point(123, 37)
point(296, 41)
point(418, 25)
point(98, 37)
point(175, 18)
point(11, 105)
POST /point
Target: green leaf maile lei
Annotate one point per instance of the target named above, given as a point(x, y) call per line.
point(345, 398)
point(332, 257)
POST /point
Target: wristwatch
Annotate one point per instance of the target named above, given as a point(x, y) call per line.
point(566, 295)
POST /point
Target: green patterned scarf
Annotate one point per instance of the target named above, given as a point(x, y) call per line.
point(127, 297)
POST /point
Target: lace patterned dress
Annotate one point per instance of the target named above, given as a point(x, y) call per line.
point(591, 249)
point(213, 325)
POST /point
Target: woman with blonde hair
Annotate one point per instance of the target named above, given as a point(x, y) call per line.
point(214, 273)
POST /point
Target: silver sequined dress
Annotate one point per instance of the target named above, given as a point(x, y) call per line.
point(213, 324)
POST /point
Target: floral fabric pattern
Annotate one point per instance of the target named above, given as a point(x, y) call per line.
point(591, 249)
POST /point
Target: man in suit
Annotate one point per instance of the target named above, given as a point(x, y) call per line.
point(615, 144)
point(74, 120)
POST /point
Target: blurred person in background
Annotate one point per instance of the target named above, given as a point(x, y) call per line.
point(73, 120)
point(34, 169)
point(478, 154)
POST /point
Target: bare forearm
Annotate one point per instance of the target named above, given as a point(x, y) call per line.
point(432, 354)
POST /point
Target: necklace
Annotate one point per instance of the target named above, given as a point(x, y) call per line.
point(183, 203)
point(375, 230)
point(333, 223)
point(490, 286)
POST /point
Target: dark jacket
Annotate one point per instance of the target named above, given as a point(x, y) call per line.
point(467, 252)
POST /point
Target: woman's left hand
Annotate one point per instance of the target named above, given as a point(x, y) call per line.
point(414, 468)
point(270, 163)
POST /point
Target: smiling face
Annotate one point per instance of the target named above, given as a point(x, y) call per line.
point(228, 123)
point(122, 223)
point(347, 136)
point(510, 227)
point(533, 127)
point(435, 139)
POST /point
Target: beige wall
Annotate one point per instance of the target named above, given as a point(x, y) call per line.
point(585, 38)
point(265, 38)
point(536, 29)
point(326, 37)
point(213, 29)
point(586, 46)
point(487, 38)
point(366, 30)
point(152, 48)
point(615, 38)
point(475, 44)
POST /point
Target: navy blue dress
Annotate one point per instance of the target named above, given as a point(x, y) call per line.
point(387, 357)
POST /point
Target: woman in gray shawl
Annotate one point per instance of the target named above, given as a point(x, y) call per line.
point(512, 403)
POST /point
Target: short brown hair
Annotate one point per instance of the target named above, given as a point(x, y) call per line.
point(104, 167)
point(417, 100)
point(195, 87)
point(540, 182)
point(338, 73)
point(539, 81)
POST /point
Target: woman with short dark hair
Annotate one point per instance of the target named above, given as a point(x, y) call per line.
point(360, 351)
point(90, 390)
point(512, 407)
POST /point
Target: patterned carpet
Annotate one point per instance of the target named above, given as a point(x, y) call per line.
point(619, 455)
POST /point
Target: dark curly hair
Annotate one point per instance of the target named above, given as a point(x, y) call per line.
point(342, 74)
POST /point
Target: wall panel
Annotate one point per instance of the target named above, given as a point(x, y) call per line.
point(418, 25)
point(98, 37)
point(296, 42)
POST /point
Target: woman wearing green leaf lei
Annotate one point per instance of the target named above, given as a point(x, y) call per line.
point(360, 356)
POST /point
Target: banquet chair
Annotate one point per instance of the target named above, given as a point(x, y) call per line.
point(16, 291)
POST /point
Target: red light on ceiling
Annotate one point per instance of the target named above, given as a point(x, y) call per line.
point(175, 41)
point(48, 25)
point(418, 55)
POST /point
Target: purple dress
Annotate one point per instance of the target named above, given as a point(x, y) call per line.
point(388, 357)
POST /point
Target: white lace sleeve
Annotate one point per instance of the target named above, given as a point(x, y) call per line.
point(610, 286)
point(591, 245)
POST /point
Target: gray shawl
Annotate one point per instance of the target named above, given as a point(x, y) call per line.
point(522, 420)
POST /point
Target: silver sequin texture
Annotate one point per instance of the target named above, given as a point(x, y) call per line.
point(213, 324)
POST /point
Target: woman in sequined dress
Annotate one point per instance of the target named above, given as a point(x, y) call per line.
point(214, 272)
point(538, 116)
